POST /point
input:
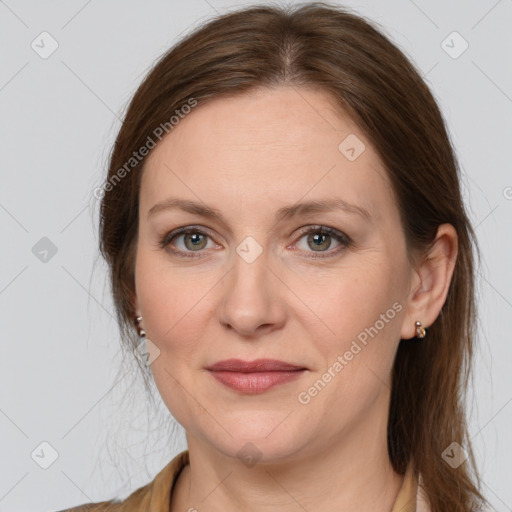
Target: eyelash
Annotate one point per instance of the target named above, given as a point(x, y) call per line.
point(344, 240)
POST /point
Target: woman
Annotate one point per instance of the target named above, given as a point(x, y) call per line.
point(283, 224)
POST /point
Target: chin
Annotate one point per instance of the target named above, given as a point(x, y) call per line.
point(258, 437)
point(252, 451)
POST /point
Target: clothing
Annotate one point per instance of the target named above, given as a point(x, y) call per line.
point(155, 496)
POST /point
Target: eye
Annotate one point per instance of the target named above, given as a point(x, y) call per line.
point(319, 239)
point(187, 239)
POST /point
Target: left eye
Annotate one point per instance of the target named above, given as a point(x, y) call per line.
point(319, 239)
point(193, 240)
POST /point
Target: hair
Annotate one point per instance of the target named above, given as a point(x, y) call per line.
point(341, 53)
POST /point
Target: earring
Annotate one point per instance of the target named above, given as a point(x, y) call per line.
point(420, 331)
point(142, 332)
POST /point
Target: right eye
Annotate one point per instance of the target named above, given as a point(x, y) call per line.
point(188, 239)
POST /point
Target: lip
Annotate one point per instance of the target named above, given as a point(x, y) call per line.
point(256, 376)
point(258, 365)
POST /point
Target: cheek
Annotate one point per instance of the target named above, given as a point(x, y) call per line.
point(173, 310)
point(175, 305)
point(362, 309)
point(353, 298)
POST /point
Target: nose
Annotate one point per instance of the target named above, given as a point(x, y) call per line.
point(253, 301)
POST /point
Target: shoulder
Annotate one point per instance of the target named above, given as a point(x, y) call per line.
point(154, 496)
point(135, 501)
point(90, 507)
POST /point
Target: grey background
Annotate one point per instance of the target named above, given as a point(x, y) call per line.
point(58, 119)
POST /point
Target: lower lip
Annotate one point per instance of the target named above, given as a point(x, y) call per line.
point(256, 382)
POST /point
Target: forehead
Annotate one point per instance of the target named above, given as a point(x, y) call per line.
point(277, 145)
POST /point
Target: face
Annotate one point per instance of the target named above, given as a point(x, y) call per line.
point(322, 288)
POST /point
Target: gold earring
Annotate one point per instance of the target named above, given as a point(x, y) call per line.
point(420, 331)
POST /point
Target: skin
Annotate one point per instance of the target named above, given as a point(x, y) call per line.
point(248, 156)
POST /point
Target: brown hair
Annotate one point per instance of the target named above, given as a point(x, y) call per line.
point(324, 46)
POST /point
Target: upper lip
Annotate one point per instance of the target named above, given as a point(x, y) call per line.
point(258, 365)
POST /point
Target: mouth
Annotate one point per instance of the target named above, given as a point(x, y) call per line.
point(252, 377)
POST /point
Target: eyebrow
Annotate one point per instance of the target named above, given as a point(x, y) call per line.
point(286, 212)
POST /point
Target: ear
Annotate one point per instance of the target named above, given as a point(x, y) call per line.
point(431, 281)
point(136, 306)
point(137, 311)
